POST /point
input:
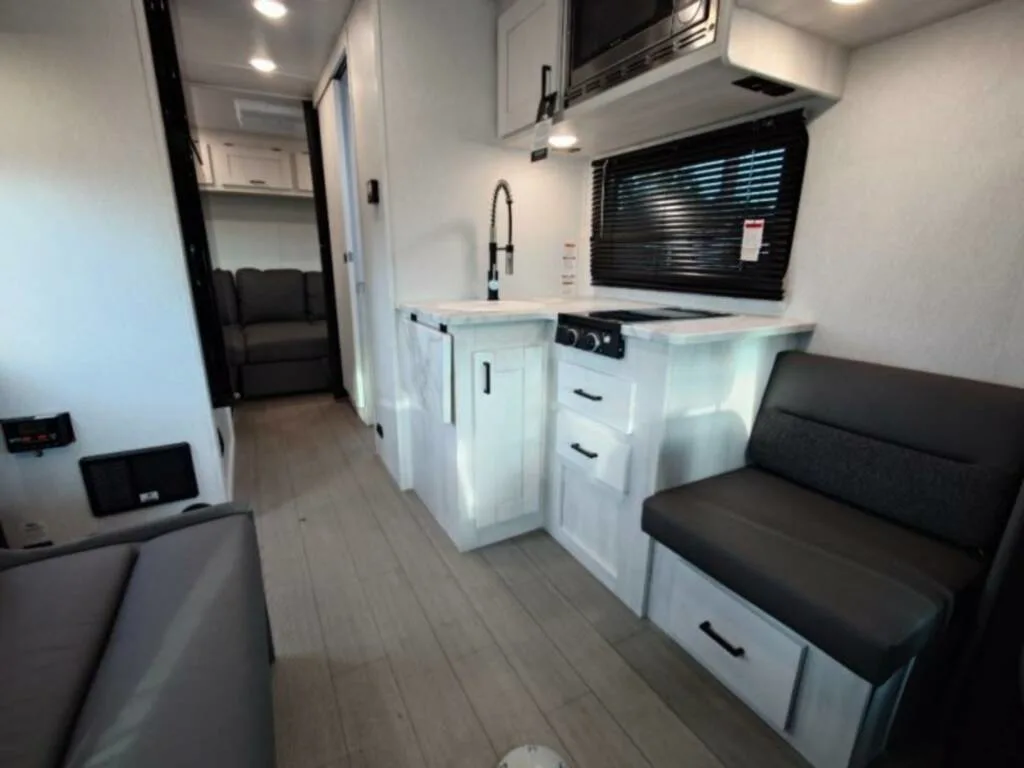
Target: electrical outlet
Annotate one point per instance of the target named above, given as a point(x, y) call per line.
point(33, 534)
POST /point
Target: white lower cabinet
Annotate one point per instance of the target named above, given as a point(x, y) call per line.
point(479, 470)
point(586, 523)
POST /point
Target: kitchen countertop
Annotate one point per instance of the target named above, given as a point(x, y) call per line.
point(456, 313)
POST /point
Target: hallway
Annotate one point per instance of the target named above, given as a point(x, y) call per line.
point(395, 650)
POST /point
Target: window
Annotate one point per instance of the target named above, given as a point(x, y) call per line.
point(672, 217)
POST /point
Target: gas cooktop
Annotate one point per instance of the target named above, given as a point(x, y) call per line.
point(601, 332)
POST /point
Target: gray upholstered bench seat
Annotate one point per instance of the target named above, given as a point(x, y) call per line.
point(866, 591)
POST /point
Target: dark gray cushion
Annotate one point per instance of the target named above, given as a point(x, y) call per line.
point(234, 344)
point(940, 454)
point(185, 679)
point(227, 299)
point(277, 342)
point(315, 306)
point(866, 591)
point(268, 379)
point(272, 295)
point(54, 619)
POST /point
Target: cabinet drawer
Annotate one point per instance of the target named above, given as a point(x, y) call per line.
point(757, 660)
point(597, 395)
point(598, 451)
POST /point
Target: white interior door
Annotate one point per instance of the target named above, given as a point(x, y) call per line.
point(345, 280)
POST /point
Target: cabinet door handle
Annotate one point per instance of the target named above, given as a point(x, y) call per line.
point(487, 378)
point(580, 449)
point(733, 650)
point(586, 395)
point(257, 181)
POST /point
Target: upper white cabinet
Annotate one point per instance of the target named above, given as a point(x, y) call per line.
point(529, 38)
point(248, 166)
point(303, 172)
point(253, 164)
point(204, 163)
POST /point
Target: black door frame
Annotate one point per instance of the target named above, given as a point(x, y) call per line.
point(323, 228)
point(180, 149)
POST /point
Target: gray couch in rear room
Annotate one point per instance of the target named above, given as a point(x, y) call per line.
point(275, 331)
point(145, 647)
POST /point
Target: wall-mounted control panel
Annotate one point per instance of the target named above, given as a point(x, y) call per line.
point(36, 434)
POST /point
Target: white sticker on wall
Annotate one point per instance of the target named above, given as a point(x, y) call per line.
point(753, 236)
point(569, 270)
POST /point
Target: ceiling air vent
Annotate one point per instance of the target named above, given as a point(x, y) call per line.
point(266, 117)
point(764, 85)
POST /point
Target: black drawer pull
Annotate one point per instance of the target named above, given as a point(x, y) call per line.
point(588, 396)
point(257, 181)
point(733, 650)
point(580, 449)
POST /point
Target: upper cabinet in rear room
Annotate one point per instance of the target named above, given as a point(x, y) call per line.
point(529, 38)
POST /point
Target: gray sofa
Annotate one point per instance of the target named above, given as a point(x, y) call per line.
point(875, 503)
point(145, 647)
point(275, 331)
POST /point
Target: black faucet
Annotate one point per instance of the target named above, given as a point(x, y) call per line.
point(492, 270)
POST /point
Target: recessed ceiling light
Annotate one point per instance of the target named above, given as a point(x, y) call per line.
point(272, 9)
point(562, 140)
point(849, 2)
point(263, 65)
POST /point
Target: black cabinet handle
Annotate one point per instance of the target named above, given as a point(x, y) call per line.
point(584, 394)
point(487, 378)
point(257, 181)
point(580, 449)
point(733, 650)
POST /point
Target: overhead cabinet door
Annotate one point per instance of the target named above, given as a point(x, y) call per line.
point(255, 167)
point(528, 39)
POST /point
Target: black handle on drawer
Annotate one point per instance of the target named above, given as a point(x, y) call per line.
point(733, 650)
point(584, 394)
point(257, 181)
point(580, 449)
point(487, 378)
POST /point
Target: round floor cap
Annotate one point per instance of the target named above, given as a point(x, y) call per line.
point(533, 756)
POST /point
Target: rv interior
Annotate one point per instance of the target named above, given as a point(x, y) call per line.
point(517, 383)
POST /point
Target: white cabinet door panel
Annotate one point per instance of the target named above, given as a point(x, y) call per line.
point(588, 518)
point(528, 39)
point(599, 452)
point(243, 166)
point(507, 425)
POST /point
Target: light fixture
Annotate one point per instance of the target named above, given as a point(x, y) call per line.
point(272, 9)
point(261, 64)
point(562, 140)
point(849, 2)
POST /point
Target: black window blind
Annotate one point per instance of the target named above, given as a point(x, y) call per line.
point(672, 217)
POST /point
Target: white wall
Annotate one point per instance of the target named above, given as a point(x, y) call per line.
point(440, 85)
point(260, 231)
point(96, 316)
point(910, 243)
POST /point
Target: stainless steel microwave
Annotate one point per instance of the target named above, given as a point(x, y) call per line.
point(614, 40)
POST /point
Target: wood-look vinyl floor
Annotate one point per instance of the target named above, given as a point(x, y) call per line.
point(395, 650)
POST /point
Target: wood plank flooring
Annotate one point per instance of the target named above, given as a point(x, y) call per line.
point(394, 650)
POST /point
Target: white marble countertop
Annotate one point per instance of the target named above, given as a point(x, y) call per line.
point(456, 313)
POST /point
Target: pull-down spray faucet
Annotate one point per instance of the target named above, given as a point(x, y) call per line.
point(492, 270)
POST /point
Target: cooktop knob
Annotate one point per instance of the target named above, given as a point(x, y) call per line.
point(573, 336)
point(591, 342)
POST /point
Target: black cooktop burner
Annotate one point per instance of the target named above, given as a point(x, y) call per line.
point(601, 332)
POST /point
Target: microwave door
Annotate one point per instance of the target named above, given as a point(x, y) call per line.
point(604, 32)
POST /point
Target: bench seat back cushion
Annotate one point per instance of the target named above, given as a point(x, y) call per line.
point(271, 295)
point(941, 455)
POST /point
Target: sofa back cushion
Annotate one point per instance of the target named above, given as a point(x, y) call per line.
point(227, 299)
point(942, 455)
point(271, 295)
point(315, 306)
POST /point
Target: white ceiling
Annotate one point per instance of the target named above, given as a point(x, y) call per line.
point(216, 39)
point(214, 109)
point(857, 25)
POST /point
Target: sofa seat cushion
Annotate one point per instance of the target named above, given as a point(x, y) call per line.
point(234, 344)
point(55, 616)
point(280, 342)
point(185, 678)
point(867, 592)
